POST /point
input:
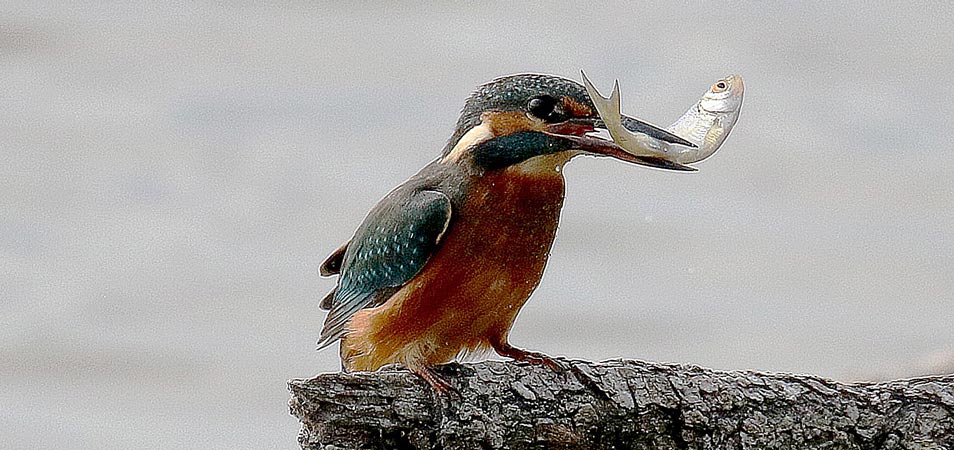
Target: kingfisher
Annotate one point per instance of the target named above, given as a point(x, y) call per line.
point(442, 264)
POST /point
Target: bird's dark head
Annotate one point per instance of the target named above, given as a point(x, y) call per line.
point(519, 117)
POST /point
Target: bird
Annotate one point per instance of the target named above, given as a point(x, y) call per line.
point(441, 265)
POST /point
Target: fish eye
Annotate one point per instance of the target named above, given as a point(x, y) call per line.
point(719, 87)
point(542, 106)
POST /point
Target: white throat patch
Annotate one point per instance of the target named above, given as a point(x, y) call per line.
point(477, 135)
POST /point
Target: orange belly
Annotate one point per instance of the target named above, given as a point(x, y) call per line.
point(468, 294)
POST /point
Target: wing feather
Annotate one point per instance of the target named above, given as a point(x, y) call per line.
point(388, 250)
point(332, 264)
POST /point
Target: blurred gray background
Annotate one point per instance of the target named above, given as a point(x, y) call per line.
point(171, 176)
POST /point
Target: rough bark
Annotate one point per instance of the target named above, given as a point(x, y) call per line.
point(619, 405)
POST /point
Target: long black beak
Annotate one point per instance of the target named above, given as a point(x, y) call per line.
point(650, 130)
point(599, 146)
point(574, 131)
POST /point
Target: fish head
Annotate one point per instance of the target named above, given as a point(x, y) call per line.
point(725, 95)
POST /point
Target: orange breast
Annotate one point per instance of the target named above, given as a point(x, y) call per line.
point(469, 293)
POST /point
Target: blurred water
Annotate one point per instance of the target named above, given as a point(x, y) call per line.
point(171, 176)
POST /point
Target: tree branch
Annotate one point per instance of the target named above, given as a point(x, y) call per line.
point(619, 405)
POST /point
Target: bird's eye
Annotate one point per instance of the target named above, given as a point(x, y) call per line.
point(719, 87)
point(541, 106)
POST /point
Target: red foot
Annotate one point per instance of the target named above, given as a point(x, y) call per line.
point(531, 357)
point(437, 382)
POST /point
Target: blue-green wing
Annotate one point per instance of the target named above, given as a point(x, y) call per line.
point(388, 249)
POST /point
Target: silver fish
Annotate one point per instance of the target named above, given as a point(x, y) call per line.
point(706, 124)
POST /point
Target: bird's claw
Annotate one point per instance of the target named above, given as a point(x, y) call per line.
point(437, 382)
point(535, 358)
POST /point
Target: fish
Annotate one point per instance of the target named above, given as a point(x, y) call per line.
point(706, 124)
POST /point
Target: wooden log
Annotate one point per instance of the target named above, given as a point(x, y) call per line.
point(619, 405)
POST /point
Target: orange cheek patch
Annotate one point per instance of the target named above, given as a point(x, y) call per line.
point(503, 123)
point(575, 108)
